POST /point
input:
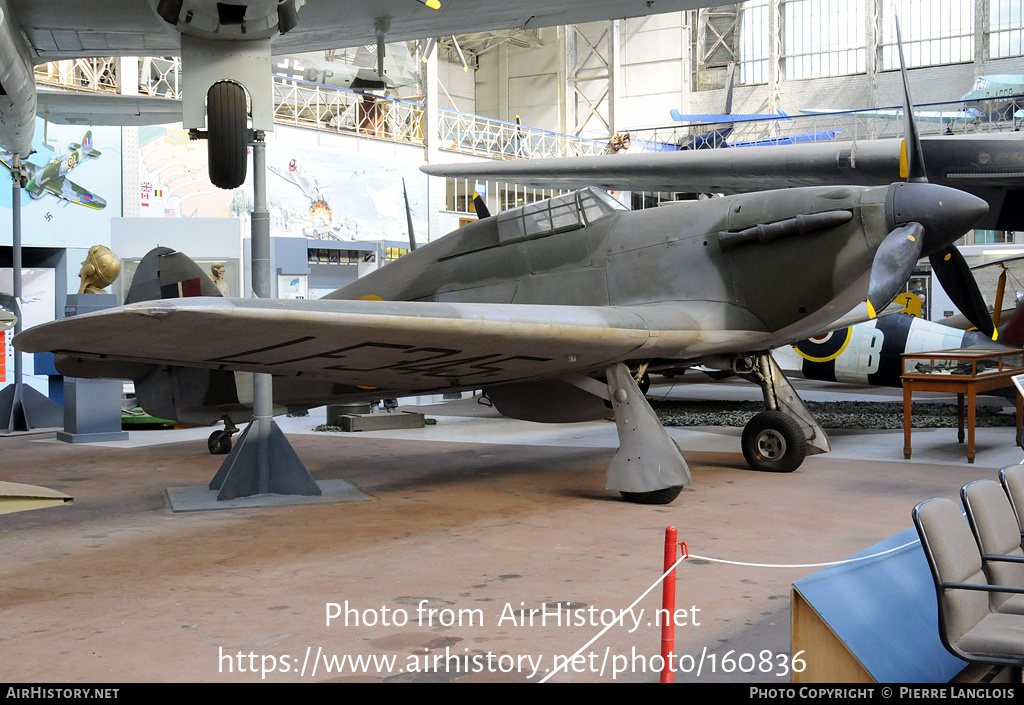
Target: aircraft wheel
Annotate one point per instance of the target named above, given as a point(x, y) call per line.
point(663, 496)
point(645, 384)
point(773, 442)
point(219, 443)
point(227, 134)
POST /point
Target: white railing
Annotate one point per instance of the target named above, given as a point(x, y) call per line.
point(322, 107)
point(487, 137)
point(97, 75)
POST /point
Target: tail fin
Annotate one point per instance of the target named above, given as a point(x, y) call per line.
point(1013, 333)
point(87, 145)
point(166, 274)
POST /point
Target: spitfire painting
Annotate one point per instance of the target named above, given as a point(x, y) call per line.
point(52, 178)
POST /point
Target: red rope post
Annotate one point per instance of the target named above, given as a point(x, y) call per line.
point(668, 604)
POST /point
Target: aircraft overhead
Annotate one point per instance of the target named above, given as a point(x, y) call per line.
point(226, 49)
point(57, 29)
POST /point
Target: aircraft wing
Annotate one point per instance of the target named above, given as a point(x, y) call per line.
point(719, 118)
point(62, 187)
point(868, 163)
point(65, 189)
point(71, 108)
point(400, 346)
point(986, 165)
point(57, 29)
point(940, 116)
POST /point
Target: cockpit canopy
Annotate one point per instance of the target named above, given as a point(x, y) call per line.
point(569, 211)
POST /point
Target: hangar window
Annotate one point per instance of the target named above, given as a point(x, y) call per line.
point(555, 215)
point(824, 38)
point(934, 33)
point(754, 45)
point(1006, 19)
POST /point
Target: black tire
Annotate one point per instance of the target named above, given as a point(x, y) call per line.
point(773, 442)
point(655, 497)
point(227, 134)
point(219, 443)
point(645, 384)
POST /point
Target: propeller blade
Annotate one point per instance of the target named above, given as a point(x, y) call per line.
point(894, 262)
point(911, 156)
point(480, 207)
point(956, 279)
point(408, 217)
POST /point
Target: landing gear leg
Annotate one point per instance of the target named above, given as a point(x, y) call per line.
point(219, 442)
point(648, 467)
point(778, 439)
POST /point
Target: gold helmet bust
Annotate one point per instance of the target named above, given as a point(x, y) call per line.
point(99, 270)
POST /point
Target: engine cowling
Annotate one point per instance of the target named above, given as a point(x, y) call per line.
point(17, 87)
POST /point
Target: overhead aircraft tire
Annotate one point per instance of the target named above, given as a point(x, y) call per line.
point(655, 497)
point(227, 134)
point(219, 443)
point(773, 442)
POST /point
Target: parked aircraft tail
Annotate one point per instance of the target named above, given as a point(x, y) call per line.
point(1013, 333)
point(166, 274)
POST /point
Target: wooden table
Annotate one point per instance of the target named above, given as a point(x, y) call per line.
point(978, 370)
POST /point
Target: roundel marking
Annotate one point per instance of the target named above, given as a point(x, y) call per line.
point(823, 348)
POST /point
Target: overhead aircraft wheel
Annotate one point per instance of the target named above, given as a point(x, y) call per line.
point(655, 497)
point(219, 443)
point(227, 134)
point(773, 442)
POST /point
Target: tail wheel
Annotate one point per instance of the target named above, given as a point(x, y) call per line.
point(663, 496)
point(219, 443)
point(227, 134)
point(774, 442)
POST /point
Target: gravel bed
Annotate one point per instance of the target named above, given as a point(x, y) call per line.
point(848, 415)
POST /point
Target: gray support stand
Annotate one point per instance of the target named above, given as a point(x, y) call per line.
point(262, 461)
point(92, 407)
point(22, 408)
point(647, 459)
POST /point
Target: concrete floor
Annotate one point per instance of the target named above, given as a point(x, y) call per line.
point(478, 517)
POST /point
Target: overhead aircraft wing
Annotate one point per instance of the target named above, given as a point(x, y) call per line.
point(62, 187)
point(397, 346)
point(939, 116)
point(57, 29)
point(717, 118)
point(68, 108)
point(868, 162)
point(987, 165)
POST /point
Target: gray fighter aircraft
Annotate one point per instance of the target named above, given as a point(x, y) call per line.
point(558, 309)
point(226, 48)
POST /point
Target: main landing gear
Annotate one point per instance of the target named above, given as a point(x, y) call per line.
point(227, 134)
point(648, 467)
point(778, 440)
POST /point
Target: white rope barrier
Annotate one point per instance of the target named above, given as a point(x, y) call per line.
point(687, 556)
